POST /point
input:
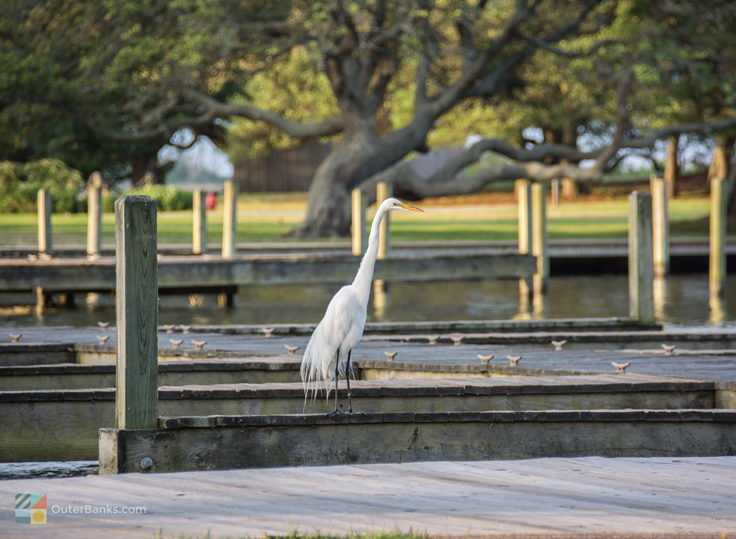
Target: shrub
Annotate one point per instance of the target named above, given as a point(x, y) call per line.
point(20, 182)
point(167, 198)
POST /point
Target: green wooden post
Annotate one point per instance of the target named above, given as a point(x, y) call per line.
point(641, 263)
point(383, 191)
point(94, 214)
point(44, 205)
point(136, 293)
point(660, 226)
point(539, 237)
point(717, 255)
point(199, 222)
point(230, 219)
point(358, 222)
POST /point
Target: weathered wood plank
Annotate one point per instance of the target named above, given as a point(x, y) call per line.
point(45, 230)
point(359, 233)
point(230, 219)
point(217, 442)
point(641, 265)
point(561, 498)
point(137, 311)
point(94, 214)
point(199, 222)
point(718, 220)
point(383, 191)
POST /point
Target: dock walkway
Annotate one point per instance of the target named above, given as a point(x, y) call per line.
point(557, 498)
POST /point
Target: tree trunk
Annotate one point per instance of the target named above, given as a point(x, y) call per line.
point(360, 156)
point(145, 170)
point(328, 212)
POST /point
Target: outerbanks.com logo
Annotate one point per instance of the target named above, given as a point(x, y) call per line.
point(30, 508)
point(33, 508)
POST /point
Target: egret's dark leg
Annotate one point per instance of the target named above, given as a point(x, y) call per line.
point(347, 377)
point(337, 378)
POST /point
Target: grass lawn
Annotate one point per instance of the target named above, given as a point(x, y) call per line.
point(267, 217)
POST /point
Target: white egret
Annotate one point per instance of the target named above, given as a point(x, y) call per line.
point(329, 348)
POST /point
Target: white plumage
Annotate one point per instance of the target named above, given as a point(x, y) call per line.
point(328, 350)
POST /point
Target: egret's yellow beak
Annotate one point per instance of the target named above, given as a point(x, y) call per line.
point(411, 208)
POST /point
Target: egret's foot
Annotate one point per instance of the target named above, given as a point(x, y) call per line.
point(335, 412)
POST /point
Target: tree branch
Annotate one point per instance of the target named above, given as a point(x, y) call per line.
point(447, 181)
point(542, 44)
point(330, 126)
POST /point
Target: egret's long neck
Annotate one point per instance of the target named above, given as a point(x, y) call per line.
point(362, 281)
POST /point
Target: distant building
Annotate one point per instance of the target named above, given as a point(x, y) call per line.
point(282, 170)
point(293, 169)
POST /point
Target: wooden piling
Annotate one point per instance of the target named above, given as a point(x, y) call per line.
point(383, 191)
point(136, 302)
point(199, 222)
point(358, 222)
point(539, 237)
point(641, 262)
point(229, 221)
point(94, 214)
point(660, 226)
point(524, 200)
point(717, 253)
point(44, 206)
point(671, 166)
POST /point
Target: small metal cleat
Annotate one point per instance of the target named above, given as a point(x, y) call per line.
point(103, 325)
point(432, 339)
point(558, 345)
point(185, 329)
point(267, 331)
point(669, 349)
point(198, 345)
point(15, 337)
point(620, 367)
point(291, 349)
point(390, 355)
point(169, 328)
point(485, 359)
point(102, 338)
point(513, 360)
point(175, 343)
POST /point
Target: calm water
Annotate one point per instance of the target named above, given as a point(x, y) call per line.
point(680, 300)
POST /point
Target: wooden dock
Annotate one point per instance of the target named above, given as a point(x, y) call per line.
point(549, 498)
point(57, 385)
point(180, 272)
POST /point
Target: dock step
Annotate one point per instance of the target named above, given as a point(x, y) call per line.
point(217, 442)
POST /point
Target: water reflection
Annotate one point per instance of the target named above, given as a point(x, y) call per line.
point(681, 300)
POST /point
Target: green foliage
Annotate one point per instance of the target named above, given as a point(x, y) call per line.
point(20, 182)
point(294, 88)
point(167, 198)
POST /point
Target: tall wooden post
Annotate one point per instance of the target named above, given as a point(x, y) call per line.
point(199, 222)
point(717, 262)
point(671, 166)
point(136, 293)
point(539, 237)
point(358, 222)
point(524, 201)
point(383, 191)
point(641, 263)
point(555, 192)
point(230, 218)
point(44, 206)
point(94, 214)
point(660, 226)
